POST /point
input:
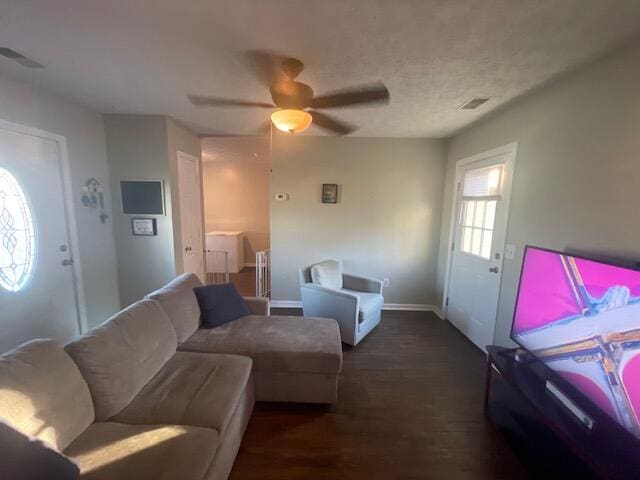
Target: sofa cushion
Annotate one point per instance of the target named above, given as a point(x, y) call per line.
point(180, 304)
point(26, 458)
point(328, 274)
point(220, 304)
point(201, 390)
point(42, 393)
point(369, 303)
point(276, 343)
point(120, 356)
point(108, 451)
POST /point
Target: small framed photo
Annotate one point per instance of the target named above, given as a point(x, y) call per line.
point(144, 226)
point(329, 193)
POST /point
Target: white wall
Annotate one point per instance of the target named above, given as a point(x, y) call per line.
point(386, 224)
point(236, 191)
point(577, 173)
point(84, 132)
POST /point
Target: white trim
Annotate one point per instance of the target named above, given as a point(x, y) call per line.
point(285, 304)
point(180, 155)
point(408, 307)
point(72, 227)
point(509, 149)
point(250, 264)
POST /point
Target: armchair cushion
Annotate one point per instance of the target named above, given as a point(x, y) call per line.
point(328, 274)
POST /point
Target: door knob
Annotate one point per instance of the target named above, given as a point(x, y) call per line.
point(493, 269)
point(187, 249)
point(66, 262)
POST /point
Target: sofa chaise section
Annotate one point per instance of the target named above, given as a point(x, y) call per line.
point(295, 359)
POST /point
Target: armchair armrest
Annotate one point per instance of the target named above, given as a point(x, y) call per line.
point(325, 302)
point(259, 305)
point(361, 284)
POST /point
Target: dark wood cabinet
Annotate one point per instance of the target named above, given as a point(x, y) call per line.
point(551, 441)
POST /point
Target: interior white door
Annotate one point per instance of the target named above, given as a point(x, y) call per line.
point(37, 290)
point(482, 210)
point(191, 214)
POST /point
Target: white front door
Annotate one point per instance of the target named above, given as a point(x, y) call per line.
point(191, 214)
point(482, 208)
point(37, 290)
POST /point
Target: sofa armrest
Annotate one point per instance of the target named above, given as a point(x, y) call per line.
point(259, 305)
point(361, 284)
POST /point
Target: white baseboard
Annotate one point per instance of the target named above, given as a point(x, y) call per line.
point(250, 264)
point(286, 304)
point(409, 307)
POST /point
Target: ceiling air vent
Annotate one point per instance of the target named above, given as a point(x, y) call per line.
point(20, 58)
point(474, 103)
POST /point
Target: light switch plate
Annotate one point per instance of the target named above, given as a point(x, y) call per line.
point(509, 251)
point(282, 197)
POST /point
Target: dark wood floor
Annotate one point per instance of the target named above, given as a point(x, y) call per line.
point(245, 281)
point(409, 407)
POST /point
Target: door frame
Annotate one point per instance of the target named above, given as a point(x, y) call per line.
point(69, 212)
point(187, 156)
point(510, 149)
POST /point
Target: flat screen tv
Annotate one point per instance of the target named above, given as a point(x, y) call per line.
point(142, 197)
point(581, 317)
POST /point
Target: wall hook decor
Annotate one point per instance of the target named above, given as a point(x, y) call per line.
point(93, 198)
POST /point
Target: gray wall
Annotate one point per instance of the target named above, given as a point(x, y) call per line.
point(84, 132)
point(137, 147)
point(577, 173)
point(387, 221)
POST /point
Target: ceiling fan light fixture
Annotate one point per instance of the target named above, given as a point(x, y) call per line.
point(291, 120)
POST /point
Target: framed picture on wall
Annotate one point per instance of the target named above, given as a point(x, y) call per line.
point(144, 226)
point(329, 193)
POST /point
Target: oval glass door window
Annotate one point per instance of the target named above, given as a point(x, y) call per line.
point(17, 235)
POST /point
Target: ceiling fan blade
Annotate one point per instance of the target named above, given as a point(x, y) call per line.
point(207, 101)
point(332, 124)
point(266, 65)
point(365, 94)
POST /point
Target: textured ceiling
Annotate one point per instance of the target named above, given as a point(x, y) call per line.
point(145, 56)
point(236, 149)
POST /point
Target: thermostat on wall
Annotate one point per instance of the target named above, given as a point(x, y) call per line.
point(282, 197)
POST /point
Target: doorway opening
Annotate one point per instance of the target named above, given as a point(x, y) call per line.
point(236, 183)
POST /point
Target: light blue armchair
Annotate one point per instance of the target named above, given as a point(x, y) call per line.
point(355, 302)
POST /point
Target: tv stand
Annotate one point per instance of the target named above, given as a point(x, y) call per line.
point(553, 429)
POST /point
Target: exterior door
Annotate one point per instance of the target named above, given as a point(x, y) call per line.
point(190, 192)
point(37, 284)
point(482, 210)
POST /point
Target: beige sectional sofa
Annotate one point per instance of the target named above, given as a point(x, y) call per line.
point(150, 395)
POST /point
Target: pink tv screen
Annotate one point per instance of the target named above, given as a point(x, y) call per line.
point(582, 318)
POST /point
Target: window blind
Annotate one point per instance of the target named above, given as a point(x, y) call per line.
point(483, 183)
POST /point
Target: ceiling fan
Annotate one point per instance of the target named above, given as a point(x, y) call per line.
point(295, 103)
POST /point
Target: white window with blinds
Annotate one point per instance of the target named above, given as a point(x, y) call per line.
point(481, 191)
